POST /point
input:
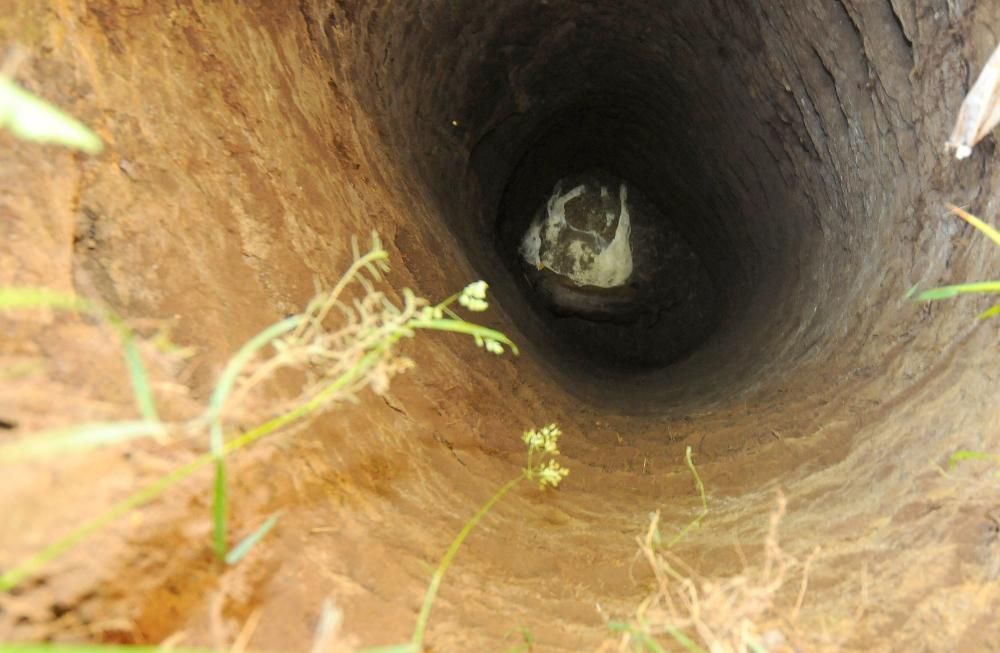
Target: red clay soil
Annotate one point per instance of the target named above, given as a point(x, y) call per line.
point(797, 143)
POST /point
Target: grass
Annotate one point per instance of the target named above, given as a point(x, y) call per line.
point(31, 118)
point(721, 615)
point(339, 345)
point(542, 449)
point(976, 287)
point(955, 290)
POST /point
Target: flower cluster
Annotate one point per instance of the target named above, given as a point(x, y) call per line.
point(544, 441)
point(429, 313)
point(491, 345)
point(473, 297)
point(551, 474)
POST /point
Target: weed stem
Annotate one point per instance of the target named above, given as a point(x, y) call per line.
point(432, 589)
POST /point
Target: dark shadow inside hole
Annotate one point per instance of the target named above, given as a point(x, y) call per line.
point(669, 305)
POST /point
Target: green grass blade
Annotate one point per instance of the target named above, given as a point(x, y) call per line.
point(684, 640)
point(21, 298)
point(946, 292)
point(78, 438)
point(250, 541)
point(33, 119)
point(236, 364)
point(219, 507)
point(984, 228)
point(137, 375)
point(990, 312)
point(214, 416)
point(13, 298)
point(965, 454)
point(649, 643)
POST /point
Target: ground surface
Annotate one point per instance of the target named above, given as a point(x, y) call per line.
point(248, 141)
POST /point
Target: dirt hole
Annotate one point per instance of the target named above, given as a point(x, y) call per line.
point(788, 180)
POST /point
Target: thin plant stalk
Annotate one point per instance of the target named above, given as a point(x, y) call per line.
point(976, 287)
point(214, 417)
point(432, 589)
point(694, 523)
point(548, 474)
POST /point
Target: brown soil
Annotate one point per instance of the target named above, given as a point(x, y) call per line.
point(797, 144)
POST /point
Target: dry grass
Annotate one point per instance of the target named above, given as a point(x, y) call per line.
point(345, 341)
point(725, 615)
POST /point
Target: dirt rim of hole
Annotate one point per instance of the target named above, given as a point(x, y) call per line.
point(796, 146)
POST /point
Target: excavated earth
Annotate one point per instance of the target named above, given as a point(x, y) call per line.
point(795, 145)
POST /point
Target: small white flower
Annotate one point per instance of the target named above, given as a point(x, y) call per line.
point(477, 289)
point(473, 296)
point(431, 313)
point(493, 346)
point(544, 439)
point(551, 474)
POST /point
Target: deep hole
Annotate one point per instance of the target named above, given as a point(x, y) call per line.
point(786, 166)
point(721, 240)
point(671, 304)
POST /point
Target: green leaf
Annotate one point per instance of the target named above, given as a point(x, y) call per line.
point(78, 438)
point(945, 292)
point(965, 454)
point(33, 119)
point(250, 541)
